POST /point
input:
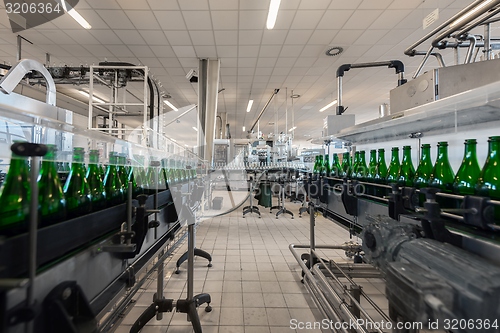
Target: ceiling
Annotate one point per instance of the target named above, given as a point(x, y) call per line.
point(170, 36)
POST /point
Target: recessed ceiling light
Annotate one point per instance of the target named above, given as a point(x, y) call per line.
point(195, 129)
point(334, 50)
point(328, 106)
point(170, 105)
point(250, 103)
point(75, 15)
point(274, 6)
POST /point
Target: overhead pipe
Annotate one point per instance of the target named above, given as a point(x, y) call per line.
point(410, 51)
point(275, 92)
point(470, 50)
point(396, 64)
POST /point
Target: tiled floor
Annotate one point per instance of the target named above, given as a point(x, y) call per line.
point(254, 282)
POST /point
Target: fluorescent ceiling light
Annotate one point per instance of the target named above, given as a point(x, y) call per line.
point(86, 94)
point(328, 106)
point(173, 140)
point(195, 129)
point(293, 128)
point(243, 128)
point(170, 105)
point(274, 6)
point(250, 103)
point(469, 13)
point(75, 15)
point(186, 145)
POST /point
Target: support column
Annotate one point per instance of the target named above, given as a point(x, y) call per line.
point(208, 87)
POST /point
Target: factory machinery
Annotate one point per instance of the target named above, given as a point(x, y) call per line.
point(437, 251)
point(78, 272)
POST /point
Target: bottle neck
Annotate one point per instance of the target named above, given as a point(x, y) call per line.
point(78, 158)
point(407, 155)
point(381, 156)
point(94, 159)
point(470, 151)
point(373, 157)
point(442, 153)
point(395, 156)
point(426, 153)
point(493, 148)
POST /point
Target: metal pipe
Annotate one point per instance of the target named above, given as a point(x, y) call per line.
point(470, 51)
point(487, 41)
point(339, 109)
point(476, 22)
point(411, 49)
point(18, 54)
point(424, 61)
point(129, 210)
point(181, 115)
point(463, 20)
point(312, 239)
point(190, 271)
point(275, 92)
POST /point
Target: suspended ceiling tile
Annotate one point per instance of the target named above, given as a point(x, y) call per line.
point(197, 20)
point(134, 4)
point(362, 19)
point(193, 4)
point(295, 37)
point(130, 37)
point(223, 4)
point(291, 50)
point(206, 51)
point(270, 50)
point(163, 51)
point(226, 37)
point(178, 38)
point(116, 19)
point(322, 36)
point(247, 62)
point(99, 51)
point(184, 51)
point(248, 51)
point(284, 19)
point(154, 37)
point(103, 4)
point(106, 36)
point(191, 63)
point(170, 20)
point(274, 37)
point(170, 62)
point(59, 37)
point(370, 37)
point(229, 62)
point(254, 4)
point(345, 37)
point(404, 4)
point(93, 18)
point(120, 50)
point(202, 37)
point(286, 62)
point(246, 72)
point(250, 37)
point(143, 19)
point(390, 18)
point(228, 71)
point(266, 62)
point(224, 20)
point(281, 71)
point(141, 50)
point(307, 19)
point(150, 62)
point(379, 4)
point(313, 51)
point(227, 51)
point(334, 19)
point(252, 19)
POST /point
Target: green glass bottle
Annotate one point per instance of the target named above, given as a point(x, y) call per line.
point(76, 189)
point(361, 168)
point(326, 166)
point(112, 184)
point(15, 198)
point(489, 179)
point(320, 165)
point(424, 169)
point(372, 166)
point(380, 174)
point(52, 203)
point(442, 176)
point(407, 171)
point(122, 170)
point(336, 168)
point(94, 179)
point(394, 166)
point(381, 169)
point(346, 164)
point(354, 167)
point(468, 173)
point(131, 178)
point(315, 167)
